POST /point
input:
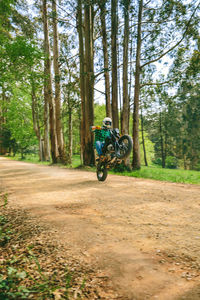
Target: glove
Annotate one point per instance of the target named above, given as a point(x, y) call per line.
point(93, 128)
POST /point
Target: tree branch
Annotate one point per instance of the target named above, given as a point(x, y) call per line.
point(156, 83)
point(103, 93)
point(172, 48)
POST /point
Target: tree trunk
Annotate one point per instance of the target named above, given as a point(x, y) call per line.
point(131, 74)
point(70, 137)
point(36, 125)
point(88, 155)
point(143, 141)
point(102, 5)
point(125, 110)
point(3, 109)
point(59, 133)
point(136, 143)
point(82, 74)
point(114, 26)
point(46, 130)
point(48, 95)
point(161, 141)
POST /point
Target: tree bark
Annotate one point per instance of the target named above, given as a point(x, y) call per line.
point(125, 110)
point(46, 130)
point(88, 154)
point(114, 26)
point(102, 5)
point(136, 144)
point(143, 140)
point(161, 140)
point(3, 110)
point(59, 133)
point(36, 122)
point(70, 137)
point(48, 95)
point(82, 74)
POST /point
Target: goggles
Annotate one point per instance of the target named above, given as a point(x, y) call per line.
point(107, 123)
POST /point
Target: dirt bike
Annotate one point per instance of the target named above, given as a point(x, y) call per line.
point(115, 149)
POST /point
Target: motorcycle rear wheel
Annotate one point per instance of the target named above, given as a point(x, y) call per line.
point(125, 146)
point(102, 172)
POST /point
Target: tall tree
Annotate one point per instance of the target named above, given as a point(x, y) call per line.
point(59, 133)
point(143, 139)
point(136, 143)
point(88, 153)
point(102, 5)
point(48, 95)
point(114, 30)
point(125, 110)
point(36, 118)
point(82, 73)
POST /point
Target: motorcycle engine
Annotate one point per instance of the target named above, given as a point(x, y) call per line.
point(110, 147)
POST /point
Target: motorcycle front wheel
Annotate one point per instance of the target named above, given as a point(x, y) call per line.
point(125, 146)
point(101, 172)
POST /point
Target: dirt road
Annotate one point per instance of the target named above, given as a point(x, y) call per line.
point(142, 235)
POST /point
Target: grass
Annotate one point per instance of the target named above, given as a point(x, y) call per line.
point(33, 158)
point(171, 175)
point(152, 172)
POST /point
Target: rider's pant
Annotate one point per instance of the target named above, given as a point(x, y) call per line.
point(99, 145)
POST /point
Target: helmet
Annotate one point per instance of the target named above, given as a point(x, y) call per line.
point(107, 123)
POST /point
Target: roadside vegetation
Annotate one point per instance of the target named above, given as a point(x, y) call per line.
point(154, 171)
point(171, 175)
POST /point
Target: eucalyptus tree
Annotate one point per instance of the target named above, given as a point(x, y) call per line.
point(102, 6)
point(86, 54)
point(114, 30)
point(71, 102)
point(126, 104)
point(49, 116)
point(89, 81)
point(82, 73)
point(59, 132)
point(136, 145)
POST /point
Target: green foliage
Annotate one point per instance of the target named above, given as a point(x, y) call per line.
point(4, 231)
point(149, 147)
point(5, 12)
point(157, 161)
point(19, 121)
point(99, 114)
point(8, 143)
point(10, 285)
point(120, 168)
point(171, 162)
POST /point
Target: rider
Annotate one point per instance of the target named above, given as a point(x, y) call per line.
point(101, 134)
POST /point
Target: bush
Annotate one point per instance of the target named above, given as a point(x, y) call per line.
point(121, 168)
point(157, 161)
point(197, 167)
point(171, 162)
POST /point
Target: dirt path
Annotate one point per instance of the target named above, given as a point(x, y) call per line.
point(142, 235)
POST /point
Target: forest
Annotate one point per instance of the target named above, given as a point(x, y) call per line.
point(65, 65)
